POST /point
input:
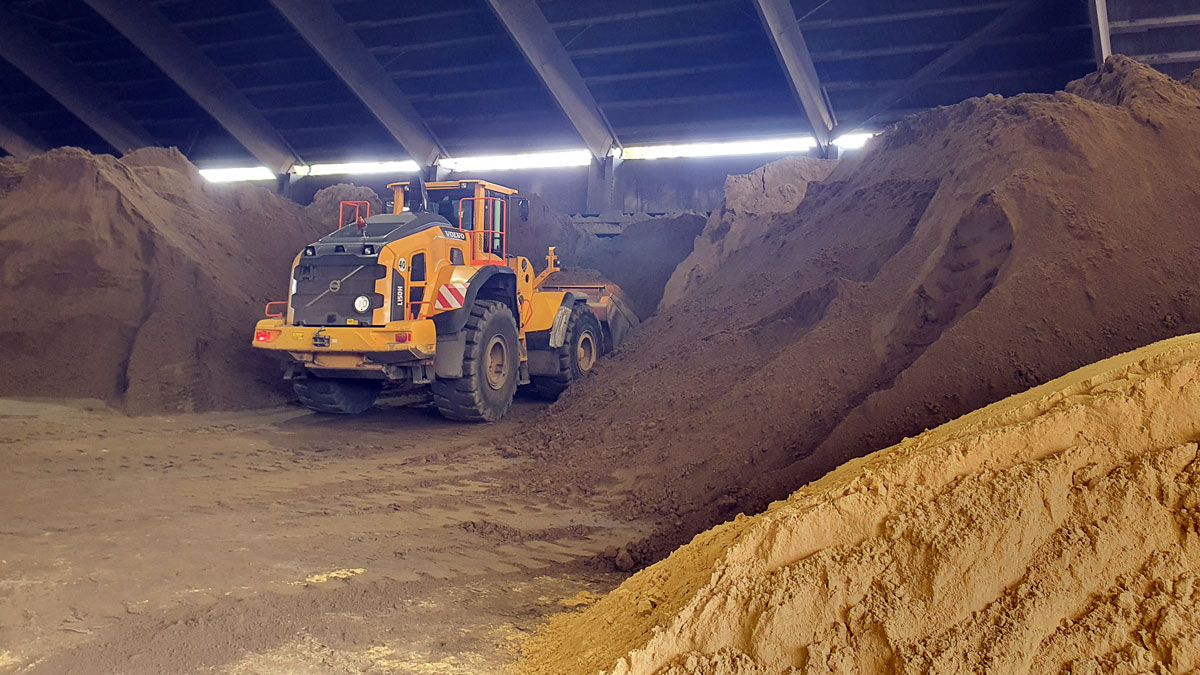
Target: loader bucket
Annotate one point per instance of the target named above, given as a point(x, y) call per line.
point(610, 306)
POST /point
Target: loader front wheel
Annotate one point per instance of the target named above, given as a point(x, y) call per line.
point(583, 345)
point(337, 396)
point(491, 367)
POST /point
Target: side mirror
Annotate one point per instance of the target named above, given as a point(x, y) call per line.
point(523, 209)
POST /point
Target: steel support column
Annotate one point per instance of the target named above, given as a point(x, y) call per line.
point(17, 139)
point(21, 46)
point(780, 21)
point(197, 75)
point(1101, 31)
point(542, 48)
point(340, 47)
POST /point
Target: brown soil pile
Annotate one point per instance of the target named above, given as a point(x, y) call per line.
point(745, 216)
point(642, 258)
point(326, 204)
point(1057, 530)
point(135, 281)
point(544, 228)
point(970, 253)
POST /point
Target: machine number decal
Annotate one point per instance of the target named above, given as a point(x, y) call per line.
point(401, 264)
point(451, 296)
point(454, 234)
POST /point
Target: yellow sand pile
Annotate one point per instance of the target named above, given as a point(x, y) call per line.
point(1055, 529)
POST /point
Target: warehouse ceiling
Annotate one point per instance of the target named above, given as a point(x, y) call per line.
point(661, 71)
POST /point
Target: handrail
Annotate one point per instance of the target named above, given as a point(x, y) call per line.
point(488, 233)
point(276, 315)
point(359, 205)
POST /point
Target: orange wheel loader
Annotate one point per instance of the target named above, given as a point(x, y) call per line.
point(427, 297)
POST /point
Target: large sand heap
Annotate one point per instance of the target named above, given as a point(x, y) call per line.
point(970, 253)
point(136, 281)
point(745, 216)
point(1056, 530)
point(643, 257)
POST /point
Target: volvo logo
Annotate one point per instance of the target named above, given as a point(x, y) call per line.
point(335, 285)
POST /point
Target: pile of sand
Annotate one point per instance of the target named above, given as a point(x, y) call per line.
point(640, 260)
point(1057, 530)
point(327, 202)
point(745, 216)
point(643, 257)
point(970, 253)
point(136, 281)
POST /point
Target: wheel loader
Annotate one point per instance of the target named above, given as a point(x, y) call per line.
point(427, 297)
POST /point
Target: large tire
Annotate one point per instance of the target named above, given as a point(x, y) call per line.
point(337, 396)
point(583, 345)
point(491, 367)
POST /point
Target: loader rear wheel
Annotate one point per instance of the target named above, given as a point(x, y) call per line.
point(337, 396)
point(491, 367)
point(583, 345)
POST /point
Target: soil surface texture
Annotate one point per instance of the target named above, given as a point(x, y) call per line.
point(969, 253)
point(280, 542)
point(1055, 531)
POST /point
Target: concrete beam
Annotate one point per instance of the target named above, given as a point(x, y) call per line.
point(1169, 57)
point(1101, 31)
point(196, 74)
point(22, 46)
point(340, 47)
point(784, 28)
point(957, 53)
point(1139, 25)
point(17, 139)
point(537, 40)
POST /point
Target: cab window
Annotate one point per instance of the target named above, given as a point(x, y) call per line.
point(417, 272)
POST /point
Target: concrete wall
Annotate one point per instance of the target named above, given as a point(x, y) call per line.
point(641, 186)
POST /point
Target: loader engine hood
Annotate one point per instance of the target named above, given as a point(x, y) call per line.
point(335, 272)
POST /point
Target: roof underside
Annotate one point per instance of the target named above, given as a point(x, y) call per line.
point(660, 70)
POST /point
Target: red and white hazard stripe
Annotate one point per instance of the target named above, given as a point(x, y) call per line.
point(451, 296)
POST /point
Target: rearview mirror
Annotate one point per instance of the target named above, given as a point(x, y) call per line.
point(523, 209)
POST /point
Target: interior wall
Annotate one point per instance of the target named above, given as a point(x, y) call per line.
point(641, 186)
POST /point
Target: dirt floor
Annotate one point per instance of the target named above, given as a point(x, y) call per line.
point(280, 542)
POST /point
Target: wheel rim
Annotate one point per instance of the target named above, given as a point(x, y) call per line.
point(496, 362)
point(585, 352)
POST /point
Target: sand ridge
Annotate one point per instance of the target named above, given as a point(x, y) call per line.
point(969, 253)
point(1057, 528)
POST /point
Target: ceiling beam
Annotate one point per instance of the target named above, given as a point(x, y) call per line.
point(1169, 57)
point(1138, 25)
point(830, 24)
point(321, 25)
point(939, 65)
point(22, 46)
point(1101, 31)
point(197, 75)
point(781, 24)
point(537, 40)
point(17, 139)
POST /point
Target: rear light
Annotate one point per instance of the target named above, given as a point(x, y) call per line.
point(310, 250)
point(368, 250)
point(265, 335)
point(402, 338)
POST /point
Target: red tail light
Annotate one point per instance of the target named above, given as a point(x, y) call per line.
point(402, 338)
point(265, 335)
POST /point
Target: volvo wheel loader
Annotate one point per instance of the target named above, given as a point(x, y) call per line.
point(427, 297)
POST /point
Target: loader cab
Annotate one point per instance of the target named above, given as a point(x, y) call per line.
point(479, 208)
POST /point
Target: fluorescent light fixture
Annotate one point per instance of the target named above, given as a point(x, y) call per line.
point(237, 174)
point(774, 145)
point(534, 160)
point(357, 168)
point(852, 141)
